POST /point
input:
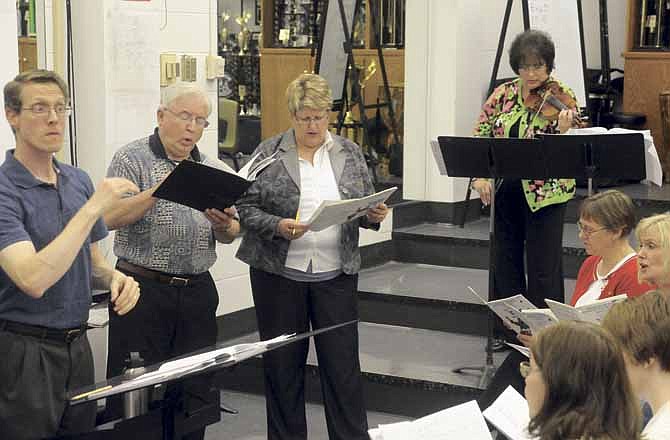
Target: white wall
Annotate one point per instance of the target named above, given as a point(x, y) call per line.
point(449, 57)
point(9, 68)
point(616, 13)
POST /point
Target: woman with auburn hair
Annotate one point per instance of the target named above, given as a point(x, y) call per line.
point(579, 390)
point(653, 256)
point(641, 326)
point(605, 221)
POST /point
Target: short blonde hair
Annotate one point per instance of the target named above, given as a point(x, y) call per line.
point(175, 91)
point(309, 91)
point(659, 225)
point(641, 325)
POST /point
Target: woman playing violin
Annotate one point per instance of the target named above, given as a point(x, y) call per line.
point(529, 213)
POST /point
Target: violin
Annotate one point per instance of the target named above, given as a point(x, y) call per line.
point(549, 99)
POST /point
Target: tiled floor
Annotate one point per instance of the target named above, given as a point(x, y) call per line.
point(249, 424)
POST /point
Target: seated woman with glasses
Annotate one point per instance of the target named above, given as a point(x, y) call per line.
point(579, 390)
point(605, 222)
point(529, 213)
point(301, 277)
point(653, 257)
point(641, 326)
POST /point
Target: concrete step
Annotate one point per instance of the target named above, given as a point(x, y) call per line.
point(427, 297)
point(449, 245)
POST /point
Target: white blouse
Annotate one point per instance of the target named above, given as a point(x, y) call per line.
point(317, 183)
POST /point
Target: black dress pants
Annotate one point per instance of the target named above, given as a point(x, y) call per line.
point(167, 321)
point(540, 234)
point(287, 306)
point(35, 375)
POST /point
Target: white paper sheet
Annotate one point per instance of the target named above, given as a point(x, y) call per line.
point(509, 413)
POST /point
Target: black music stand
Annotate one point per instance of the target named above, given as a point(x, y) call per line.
point(619, 156)
point(170, 421)
point(486, 157)
point(555, 156)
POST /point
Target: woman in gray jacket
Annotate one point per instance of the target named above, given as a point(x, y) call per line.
point(301, 277)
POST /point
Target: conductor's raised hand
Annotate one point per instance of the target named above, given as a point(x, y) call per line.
point(483, 187)
point(109, 191)
point(290, 229)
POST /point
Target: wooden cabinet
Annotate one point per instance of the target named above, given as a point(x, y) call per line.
point(647, 74)
point(280, 66)
point(27, 53)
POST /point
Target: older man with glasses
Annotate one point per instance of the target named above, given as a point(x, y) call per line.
point(167, 247)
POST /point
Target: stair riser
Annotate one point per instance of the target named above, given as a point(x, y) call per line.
point(446, 316)
point(458, 252)
point(392, 395)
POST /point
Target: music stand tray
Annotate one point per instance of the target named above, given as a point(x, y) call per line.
point(166, 423)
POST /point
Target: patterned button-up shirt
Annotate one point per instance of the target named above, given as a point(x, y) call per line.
point(169, 237)
point(505, 115)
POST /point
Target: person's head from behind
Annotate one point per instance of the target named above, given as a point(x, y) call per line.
point(182, 117)
point(641, 326)
point(36, 107)
point(575, 370)
point(605, 221)
point(531, 56)
point(310, 100)
point(653, 238)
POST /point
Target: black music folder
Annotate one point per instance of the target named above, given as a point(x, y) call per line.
point(201, 187)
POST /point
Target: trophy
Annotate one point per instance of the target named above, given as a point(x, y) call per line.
point(243, 35)
point(224, 32)
point(242, 93)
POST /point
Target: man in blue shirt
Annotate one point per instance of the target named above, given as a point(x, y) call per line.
point(50, 221)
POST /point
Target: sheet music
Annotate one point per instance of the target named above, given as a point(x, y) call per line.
point(520, 348)
point(538, 10)
point(509, 413)
point(336, 212)
point(509, 310)
point(537, 319)
point(593, 312)
point(463, 421)
point(250, 170)
point(652, 163)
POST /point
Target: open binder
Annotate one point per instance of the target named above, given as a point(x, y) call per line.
point(201, 187)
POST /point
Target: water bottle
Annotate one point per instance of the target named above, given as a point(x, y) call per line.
point(135, 403)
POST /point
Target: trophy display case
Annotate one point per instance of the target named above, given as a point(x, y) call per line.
point(652, 23)
point(295, 23)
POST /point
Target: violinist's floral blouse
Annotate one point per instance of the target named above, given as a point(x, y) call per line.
point(503, 112)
